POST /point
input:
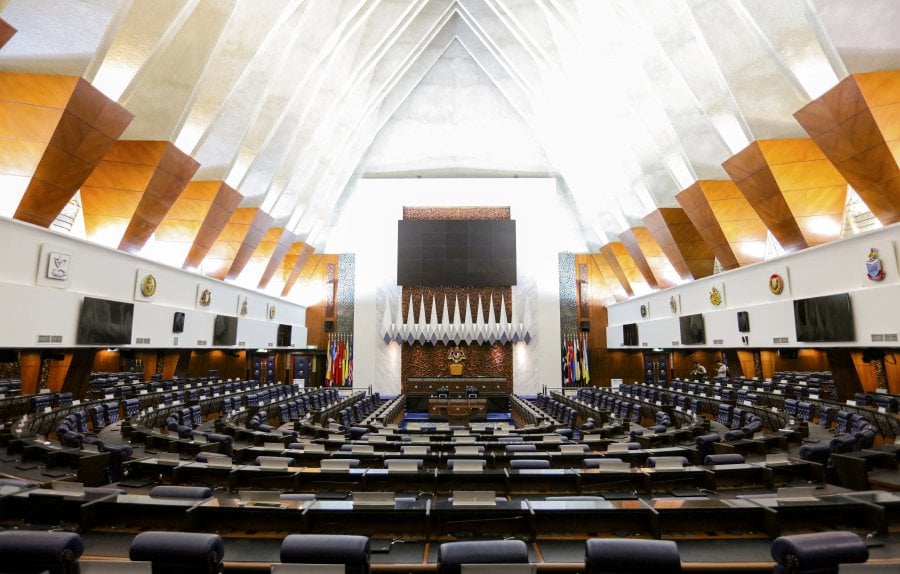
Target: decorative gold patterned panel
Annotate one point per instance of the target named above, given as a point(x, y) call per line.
point(481, 360)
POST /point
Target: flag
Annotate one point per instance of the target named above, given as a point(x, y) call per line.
point(570, 359)
point(337, 363)
point(350, 362)
point(329, 360)
point(345, 367)
point(585, 370)
point(577, 361)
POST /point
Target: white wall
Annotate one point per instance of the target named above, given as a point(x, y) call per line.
point(837, 267)
point(32, 305)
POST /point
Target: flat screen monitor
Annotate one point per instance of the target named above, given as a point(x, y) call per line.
point(104, 322)
point(630, 334)
point(693, 330)
point(479, 253)
point(178, 322)
point(284, 335)
point(827, 318)
point(225, 331)
point(743, 319)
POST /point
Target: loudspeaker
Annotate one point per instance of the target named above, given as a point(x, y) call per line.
point(178, 322)
point(585, 326)
point(329, 326)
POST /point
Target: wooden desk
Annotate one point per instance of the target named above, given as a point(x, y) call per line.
point(457, 410)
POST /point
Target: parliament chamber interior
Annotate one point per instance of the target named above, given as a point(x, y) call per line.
point(449, 286)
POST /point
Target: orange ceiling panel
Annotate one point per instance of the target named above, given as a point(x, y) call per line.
point(255, 235)
point(856, 125)
point(663, 271)
point(683, 245)
point(6, 32)
point(224, 201)
point(793, 187)
point(294, 262)
point(277, 252)
point(224, 251)
point(629, 240)
point(65, 119)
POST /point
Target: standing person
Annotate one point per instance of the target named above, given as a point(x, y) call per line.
point(721, 369)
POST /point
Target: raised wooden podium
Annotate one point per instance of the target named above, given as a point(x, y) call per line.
point(457, 410)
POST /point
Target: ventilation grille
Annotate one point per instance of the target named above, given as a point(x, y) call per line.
point(676, 343)
point(780, 340)
point(142, 341)
point(174, 340)
point(49, 339)
point(243, 344)
point(718, 341)
point(884, 337)
point(201, 341)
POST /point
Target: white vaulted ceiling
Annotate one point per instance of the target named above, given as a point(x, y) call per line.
point(627, 102)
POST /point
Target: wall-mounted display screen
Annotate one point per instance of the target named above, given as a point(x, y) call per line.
point(475, 253)
point(693, 330)
point(743, 319)
point(104, 322)
point(630, 334)
point(828, 318)
point(225, 331)
point(284, 335)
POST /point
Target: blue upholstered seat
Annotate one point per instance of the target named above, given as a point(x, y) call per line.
point(631, 556)
point(351, 551)
point(179, 552)
point(817, 553)
point(452, 555)
point(27, 551)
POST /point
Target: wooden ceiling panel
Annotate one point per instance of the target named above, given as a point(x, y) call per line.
point(119, 175)
point(855, 124)
point(114, 202)
point(221, 209)
point(6, 32)
point(608, 278)
point(786, 167)
point(46, 90)
point(177, 230)
point(700, 213)
point(277, 251)
point(20, 157)
point(887, 118)
point(630, 240)
point(64, 112)
point(294, 262)
point(258, 229)
point(613, 262)
point(171, 175)
point(662, 268)
point(243, 226)
point(26, 122)
point(39, 200)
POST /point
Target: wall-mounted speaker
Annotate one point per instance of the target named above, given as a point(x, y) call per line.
point(329, 326)
point(585, 326)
